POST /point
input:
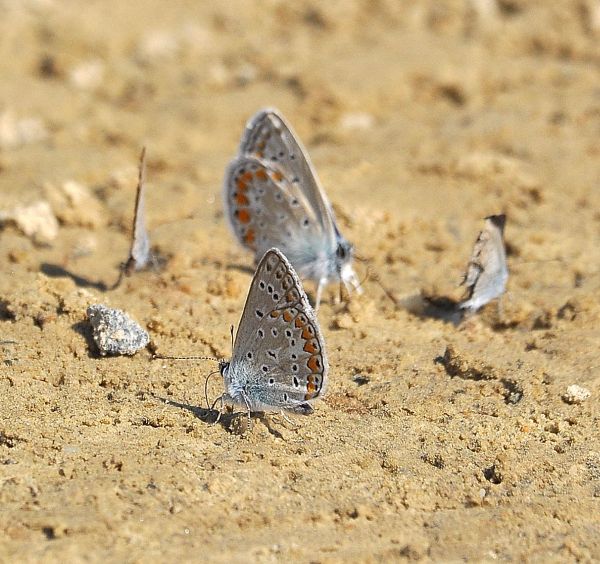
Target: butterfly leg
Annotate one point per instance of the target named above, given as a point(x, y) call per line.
point(287, 419)
point(222, 400)
point(322, 283)
point(249, 411)
point(120, 278)
point(500, 310)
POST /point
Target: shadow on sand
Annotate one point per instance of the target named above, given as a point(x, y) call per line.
point(56, 271)
point(237, 423)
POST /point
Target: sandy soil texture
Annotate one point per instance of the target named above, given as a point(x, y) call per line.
point(435, 442)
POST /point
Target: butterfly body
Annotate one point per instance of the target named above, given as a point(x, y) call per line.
point(273, 198)
point(487, 272)
point(278, 361)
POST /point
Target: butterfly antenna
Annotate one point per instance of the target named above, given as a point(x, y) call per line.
point(372, 275)
point(231, 331)
point(161, 357)
point(534, 261)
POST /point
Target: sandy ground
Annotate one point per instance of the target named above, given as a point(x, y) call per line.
point(434, 442)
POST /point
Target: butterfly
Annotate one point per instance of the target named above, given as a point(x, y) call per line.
point(273, 198)
point(487, 272)
point(139, 252)
point(278, 361)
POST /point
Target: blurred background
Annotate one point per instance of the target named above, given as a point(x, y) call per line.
point(439, 110)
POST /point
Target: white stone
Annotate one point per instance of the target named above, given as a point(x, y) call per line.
point(36, 220)
point(576, 394)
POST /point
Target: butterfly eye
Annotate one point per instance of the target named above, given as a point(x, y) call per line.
point(341, 252)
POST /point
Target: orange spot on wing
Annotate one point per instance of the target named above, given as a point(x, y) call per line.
point(307, 333)
point(311, 388)
point(247, 177)
point(249, 237)
point(244, 216)
point(261, 174)
point(275, 314)
point(287, 315)
point(242, 186)
point(242, 200)
point(299, 322)
point(313, 363)
point(310, 348)
point(277, 176)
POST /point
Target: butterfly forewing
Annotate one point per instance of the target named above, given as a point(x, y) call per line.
point(278, 340)
point(270, 138)
point(139, 255)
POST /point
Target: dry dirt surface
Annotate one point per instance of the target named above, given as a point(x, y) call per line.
point(435, 441)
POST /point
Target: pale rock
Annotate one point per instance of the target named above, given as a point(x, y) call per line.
point(87, 75)
point(36, 220)
point(114, 332)
point(576, 394)
point(17, 132)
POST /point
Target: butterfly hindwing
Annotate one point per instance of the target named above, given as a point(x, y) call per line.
point(487, 272)
point(279, 348)
point(266, 210)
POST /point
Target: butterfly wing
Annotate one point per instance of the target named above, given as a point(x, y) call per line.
point(270, 138)
point(279, 359)
point(139, 254)
point(266, 209)
point(487, 272)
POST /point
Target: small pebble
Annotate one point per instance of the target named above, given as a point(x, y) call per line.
point(576, 394)
point(15, 132)
point(88, 75)
point(36, 220)
point(357, 121)
point(115, 332)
